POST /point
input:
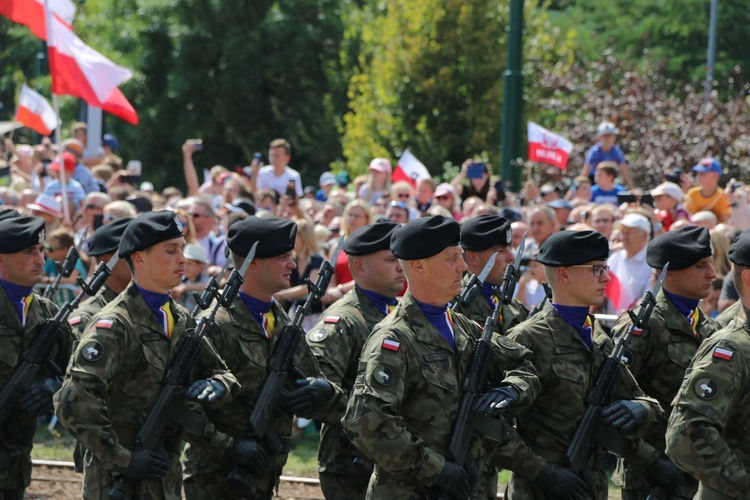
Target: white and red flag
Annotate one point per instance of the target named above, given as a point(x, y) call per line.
point(30, 13)
point(547, 147)
point(35, 112)
point(409, 169)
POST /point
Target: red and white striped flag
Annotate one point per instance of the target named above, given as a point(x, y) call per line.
point(35, 112)
point(409, 169)
point(547, 147)
point(30, 13)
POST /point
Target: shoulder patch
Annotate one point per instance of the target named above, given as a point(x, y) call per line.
point(93, 351)
point(105, 323)
point(507, 343)
point(383, 375)
point(317, 335)
point(723, 353)
point(706, 388)
point(74, 320)
point(627, 358)
point(391, 345)
point(331, 319)
point(637, 332)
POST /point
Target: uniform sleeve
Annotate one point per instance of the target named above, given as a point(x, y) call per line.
point(702, 410)
point(372, 421)
point(512, 365)
point(639, 348)
point(627, 388)
point(211, 365)
point(305, 361)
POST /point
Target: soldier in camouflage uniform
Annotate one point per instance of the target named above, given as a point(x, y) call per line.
point(658, 355)
point(336, 342)
point(116, 371)
point(22, 316)
point(568, 347)
point(707, 434)
point(245, 336)
point(729, 314)
point(408, 387)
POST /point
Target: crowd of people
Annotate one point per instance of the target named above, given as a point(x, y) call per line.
point(379, 378)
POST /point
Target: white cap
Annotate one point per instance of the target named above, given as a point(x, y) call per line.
point(606, 127)
point(147, 186)
point(196, 252)
point(670, 189)
point(635, 220)
point(48, 204)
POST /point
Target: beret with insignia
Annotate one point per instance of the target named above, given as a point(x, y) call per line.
point(681, 248)
point(20, 233)
point(425, 237)
point(275, 236)
point(739, 252)
point(107, 238)
point(8, 213)
point(370, 238)
point(572, 248)
point(149, 229)
point(485, 231)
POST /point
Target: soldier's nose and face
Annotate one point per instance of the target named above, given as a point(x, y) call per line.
point(23, 268)
point(504, 258)
point(444, 272)
point(589, 282)
point(165, 263)
point(693, 282)
point(279, 271)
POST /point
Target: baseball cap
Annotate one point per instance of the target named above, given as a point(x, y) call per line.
point(196, 252)
point(443, 189)
point(48, 204)
point(708, 165)
point(111, 141)
point(69, 160)
point(635, 220)
point(146, 186)
point(560, 203)
point(670, 189)
point(606, 127)
point(381, 165)
point(73, 146)
point(327, 178)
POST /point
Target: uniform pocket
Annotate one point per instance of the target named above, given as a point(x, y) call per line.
point(9, 348)
point(681, 353)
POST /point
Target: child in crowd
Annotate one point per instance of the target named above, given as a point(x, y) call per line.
point(605, 150)
point(605, 190)
point(708, 195)
point(668, 203)
point(195, 279)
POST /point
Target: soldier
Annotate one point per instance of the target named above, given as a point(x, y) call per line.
point(729, 314)
point(707, 434)
point(22, 316)
point(245, 336)
point(336, 342)
point(116, 372)
point(408, 387)
point(103, 245)
point(568, 347)
point(658, 355)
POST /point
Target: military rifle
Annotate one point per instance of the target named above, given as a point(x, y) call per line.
point(210, 291)
point(64, 270)
point(280, 365)
point(547, 298)
point(38, 352)
point(603, 389)
point(475, 283)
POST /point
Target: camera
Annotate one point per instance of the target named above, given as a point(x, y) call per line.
point(628, 197)
point(196, 143)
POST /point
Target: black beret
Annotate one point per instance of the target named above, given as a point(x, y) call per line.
point(149, 229)
point(8, 213)
point(572, 248)
point(370, 238)
point(485, 231)
point(106, 239)
point(424, 237)
point(20, 233)
point(275, 236)
point(739, 252)
point(681, 248)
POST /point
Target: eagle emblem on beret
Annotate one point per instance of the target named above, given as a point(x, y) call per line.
point(42, 235)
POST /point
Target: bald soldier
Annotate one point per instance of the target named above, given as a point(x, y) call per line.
point(408, 387)
point(22, 316)
point(707, 434)
point(568, 347)
point(336, 342)
point(658, 355)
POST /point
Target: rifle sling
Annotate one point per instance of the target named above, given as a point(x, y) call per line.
point(489, 427)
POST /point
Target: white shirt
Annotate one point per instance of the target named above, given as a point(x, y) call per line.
point(633, 275)
point(267, 180)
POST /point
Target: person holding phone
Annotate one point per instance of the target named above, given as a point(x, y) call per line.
point(479, 180)
point(278, 174)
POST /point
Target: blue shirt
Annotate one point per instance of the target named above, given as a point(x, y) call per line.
point(155, 301)
point(438, 317)
point(84, 176)
point(74, 190)
point(598, 195)
point(596, 155)
point(489, 294)
point(381, 301)
point(17, 295)
point(578, 318)
point(256, 307)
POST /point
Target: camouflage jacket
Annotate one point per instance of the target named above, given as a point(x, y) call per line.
point(112, 382)
point(479, 310)
point(79, 319)
point(407, 392)
point(336, 342)
point(567, 370)
point(17, 433)
point(729, 314)
point(708, 434)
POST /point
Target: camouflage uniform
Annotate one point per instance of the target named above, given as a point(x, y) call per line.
point(407, 395)
point(729, 314)
point(336, 342)
point(79, 319)
point(114, 377)
point(245, 348)
point(567, 370)
point(707, 434)
point(17, 433)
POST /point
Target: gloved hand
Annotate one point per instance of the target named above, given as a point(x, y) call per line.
point(453, 482)
point(312, 393)
point(496, 400)
point(37, 397)
point(624, 416)
point(561, 482)
point(665, 474)
point(206, 390)
point(147, 464)
point(247, 453)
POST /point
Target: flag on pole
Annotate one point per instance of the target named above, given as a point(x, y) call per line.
point(30, 13)
point(409, 169)
point(547, 147)
point(35, 112)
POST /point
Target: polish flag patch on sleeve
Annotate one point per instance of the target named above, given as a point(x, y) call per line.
point(391, 345)
point(105, 323)
point(723, 353)
point(74, 320)
point(637, 332)
point(331, 319)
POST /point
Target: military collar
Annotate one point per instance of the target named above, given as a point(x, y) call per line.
point(673, 319)
point(423, 330)
point(140, 313)
point(11, 316)
point(368, 308)
point(563, 333)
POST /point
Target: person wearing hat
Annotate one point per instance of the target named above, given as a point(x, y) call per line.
point(706, 435)
point(73, 188)
point(562, 208)
point(195, 279)
point(445, 196)
point(476, 171)
point(48, 208)
point(569, 346)
point(116, 372)
point(23, 314)
point(245, 335)
point(659, 354)
point(606, 150)
point(326, 182)
point(629, 264)
point(378, 181)
point(81, 173)
point(407, 392)
point(336, 342)
point(708, 195)
point(668, 204)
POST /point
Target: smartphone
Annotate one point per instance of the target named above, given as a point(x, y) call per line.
point(197, 144)
point(291, 192)
point(628, 197)
point(258, 156)
point(131, 179)
point(98, 221)
point(134, 167)
point(475, 171)
point(141, 204)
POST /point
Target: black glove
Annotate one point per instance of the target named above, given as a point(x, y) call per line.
point(147, 464)
point(624, 416)
point(665, 474)
point(561, 482)
point(312, 393)
point(247, 453)
point(453, 482)
point(495, 400)
point(206, 390)
point(37, 397)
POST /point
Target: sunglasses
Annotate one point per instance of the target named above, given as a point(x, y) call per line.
point(91, 206)
point(195, 215)
point(443, 197)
